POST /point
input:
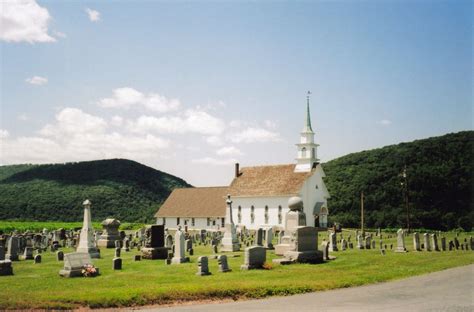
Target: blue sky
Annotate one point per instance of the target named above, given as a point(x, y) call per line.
point(192, 87)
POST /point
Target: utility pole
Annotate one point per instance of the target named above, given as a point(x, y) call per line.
point(405, 191)
point(362, 213)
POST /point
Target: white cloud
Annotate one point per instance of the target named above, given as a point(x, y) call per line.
point(215, 161)
point(37, 80)
point(193, 121)
point(73, 121)
point(270, 124)
point(94, 16)
point(214, 140)
point(76, 135)
point(384, 122)
point(24, 20)
point(252, 135)
point(4, 134)
point(128, 97)
point(116, 121)
point(228, 151)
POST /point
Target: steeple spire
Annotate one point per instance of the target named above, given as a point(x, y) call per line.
point(307, 127)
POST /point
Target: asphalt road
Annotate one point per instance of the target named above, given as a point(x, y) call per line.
point(449, 290)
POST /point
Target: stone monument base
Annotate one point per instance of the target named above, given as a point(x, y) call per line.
point(179, 260)
point(250, 267)
point(280, 249)
point(93, 252)
point(107, 243)
point(74, 272)
point(312, 257)
point(6, 268)
point(401, 249)
point(155, 253)
point(230, 247)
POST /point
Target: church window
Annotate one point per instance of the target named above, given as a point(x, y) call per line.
point(280, 217)
point(214, 222)
point(303, 152)
point(177, 221)
point(266, 214)
point(317, 187)
point(208, 221)
point(193, 222)
point(239, 215)
point(252, 214)
point(223, 222)
point(185, 222)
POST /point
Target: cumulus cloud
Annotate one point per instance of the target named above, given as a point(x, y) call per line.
point(4, 134)
point(126, 98)
point(384, 122)
point(214, 140)
point(75, 135)
point(192, 121)
point(254, 134)
point(228, 151)
point(37, 80)
point(214, 161)
point(24, 20)
point(94, 16)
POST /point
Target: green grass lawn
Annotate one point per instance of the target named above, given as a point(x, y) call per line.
point(153, 282)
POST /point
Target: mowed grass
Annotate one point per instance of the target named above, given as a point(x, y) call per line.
point(154, 282)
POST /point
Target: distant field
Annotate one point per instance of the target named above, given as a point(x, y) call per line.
point(35, 226)
point(153, 282)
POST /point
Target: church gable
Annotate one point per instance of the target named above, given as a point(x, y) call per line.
point(278, 180)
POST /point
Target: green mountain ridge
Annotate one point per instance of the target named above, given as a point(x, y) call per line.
point(439, 170)
point(119, 188)
point(440, 184)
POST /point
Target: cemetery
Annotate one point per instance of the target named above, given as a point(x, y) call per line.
point(67, 269)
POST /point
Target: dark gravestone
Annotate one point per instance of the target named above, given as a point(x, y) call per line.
point(117, 263)
point(157, 236)
point(37, 259)
point(155, 243)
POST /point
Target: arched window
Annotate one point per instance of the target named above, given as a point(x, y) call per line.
point(280, 216)
point(239, 215)
point(266, 215)
point(303, 152)
point(252, 214)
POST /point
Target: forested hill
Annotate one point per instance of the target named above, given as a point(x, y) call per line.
point(118, 188)
point(440, 183)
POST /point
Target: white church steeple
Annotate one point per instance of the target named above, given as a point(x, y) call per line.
point(307, 149)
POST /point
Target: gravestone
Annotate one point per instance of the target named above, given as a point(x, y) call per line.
point(2, 253)
point(110, 233)
point(268, 238)
point(223, 265)
point(260, 237)
point(137, 258)
point(343, 244)
point(126, 244)
point(367, 242)
point(255, 257)
point(456, 242)
point(332, 242)
point(37, 259)
point(12, 253)
point(229, 241)
point(360, 243)
point(28, 253)
point(117, 263)
point(434, 242)
point(426, 240)
point(189, 244)
point(74, 263)
point(416, 242)
point(87, 240)
point(155, 243)
point(451, 245)
point(325, 247)
point(117, 252)
point(214, 249)
point(169, 240)
point(6, 267)
point(373, 244)
point(304, 247)
point(294, 218)
point(59, 255)
point(400, 241)
point(443, 243)
point(179, 252)
point(203, 266)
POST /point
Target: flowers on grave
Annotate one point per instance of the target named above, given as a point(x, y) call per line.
point(89, 270)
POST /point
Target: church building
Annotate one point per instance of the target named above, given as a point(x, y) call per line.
point(260, 194)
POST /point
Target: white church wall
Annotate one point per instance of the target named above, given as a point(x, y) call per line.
point(259, 204)
point(214, 223)
point(312, 194)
